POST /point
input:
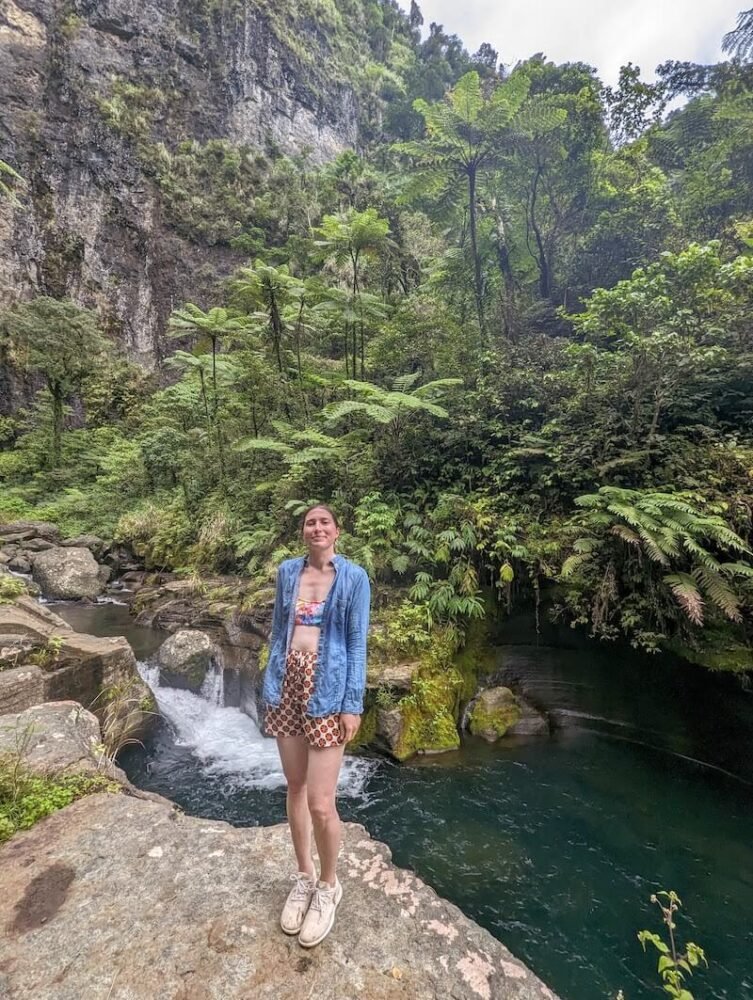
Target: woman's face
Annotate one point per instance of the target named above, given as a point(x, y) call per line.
point(319, 529)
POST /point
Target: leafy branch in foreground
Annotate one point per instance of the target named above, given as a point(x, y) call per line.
point(673, 965)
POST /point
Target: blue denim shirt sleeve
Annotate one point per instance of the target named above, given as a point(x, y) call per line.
point(277, 614)
point(357, 630)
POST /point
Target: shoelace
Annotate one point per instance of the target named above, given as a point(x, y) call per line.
point(302, 887)
point(320, 896)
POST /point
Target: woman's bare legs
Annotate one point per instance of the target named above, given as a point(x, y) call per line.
point(322, 773)
point(294, 754)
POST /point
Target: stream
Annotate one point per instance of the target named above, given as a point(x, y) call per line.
point(554, 844)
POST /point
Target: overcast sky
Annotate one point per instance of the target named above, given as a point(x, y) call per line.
point(604, 33)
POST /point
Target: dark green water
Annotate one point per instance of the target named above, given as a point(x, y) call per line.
point(554, 844)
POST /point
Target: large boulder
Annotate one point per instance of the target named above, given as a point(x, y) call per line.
point(497, 712)
point(55, 738)
point(493, 712)
point(185, 657)
point(70, 574)
point(87, 541)
point(74, 665)
point(21, 531)
point(178, 907)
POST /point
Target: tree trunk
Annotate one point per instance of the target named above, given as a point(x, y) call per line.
point(477, 278)
point(57, 423)
point(503, 259)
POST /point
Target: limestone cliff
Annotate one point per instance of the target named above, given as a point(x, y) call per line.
point(121, 114)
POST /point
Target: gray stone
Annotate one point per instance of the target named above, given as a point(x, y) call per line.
point(38, 545)
point(4, 557)
point(15, 648)
point(54, 738)
point(127, 899)
point(19, 531)
point(393, 675)
point(532, 721)
point(84, 665)
point(92, 542)
point(186, 656)
point(20, 687)
point(390, 726)
point(68, 574)
point(20, 564)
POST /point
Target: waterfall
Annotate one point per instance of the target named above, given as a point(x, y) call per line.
point(213, 688)
point(226, 742)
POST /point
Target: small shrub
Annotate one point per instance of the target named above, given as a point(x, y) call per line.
point(26, 798)
point(673, 965)
point(10, 588)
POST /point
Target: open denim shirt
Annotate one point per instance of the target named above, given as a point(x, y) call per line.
point(340, 675)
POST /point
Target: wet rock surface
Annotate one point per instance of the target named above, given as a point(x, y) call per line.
point(181, 908)
point(185, 657)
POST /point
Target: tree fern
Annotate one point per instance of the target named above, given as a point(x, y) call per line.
point(671, 530)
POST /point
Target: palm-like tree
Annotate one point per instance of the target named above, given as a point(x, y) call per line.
point(270, 290)
point(739, 41)
point(390, 406)
point(347, 239)
point(467, 133)
point(215, 325)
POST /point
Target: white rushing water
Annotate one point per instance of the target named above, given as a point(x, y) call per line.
point(227, 742)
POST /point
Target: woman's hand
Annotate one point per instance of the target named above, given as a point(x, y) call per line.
point(349, 726)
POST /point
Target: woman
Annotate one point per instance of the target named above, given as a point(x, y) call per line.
point(313, 689)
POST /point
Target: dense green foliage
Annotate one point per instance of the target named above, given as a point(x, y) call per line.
point(509, 340)
point(26, 797)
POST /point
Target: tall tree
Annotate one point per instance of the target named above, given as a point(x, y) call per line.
point(467, 133)
point(64, 344)
point(348, 239)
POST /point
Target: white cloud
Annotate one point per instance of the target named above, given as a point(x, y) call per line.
point(604, 34)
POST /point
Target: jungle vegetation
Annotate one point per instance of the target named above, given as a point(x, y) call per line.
point(509, 339)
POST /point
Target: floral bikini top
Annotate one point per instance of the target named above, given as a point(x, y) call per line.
point(309, 612)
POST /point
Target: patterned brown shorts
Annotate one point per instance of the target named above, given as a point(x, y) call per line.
point(289, 717)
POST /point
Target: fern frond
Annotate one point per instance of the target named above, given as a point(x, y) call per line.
point(262, 444)
point(687, 594)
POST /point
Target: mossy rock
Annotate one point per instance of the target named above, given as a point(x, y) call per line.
point(493, 713)
point(428, 715)
point(367, 732)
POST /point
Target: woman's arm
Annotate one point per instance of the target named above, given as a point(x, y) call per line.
point(357, 631)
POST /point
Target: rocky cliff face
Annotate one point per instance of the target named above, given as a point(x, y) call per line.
point(107, 105)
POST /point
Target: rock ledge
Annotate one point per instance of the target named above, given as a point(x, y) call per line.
point(131, 900)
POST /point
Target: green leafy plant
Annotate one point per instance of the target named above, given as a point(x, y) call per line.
point(49, 653)
point(26, 798)
point(10, 588)
point(673, 965)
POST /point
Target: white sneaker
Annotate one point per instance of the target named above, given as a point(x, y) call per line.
point(297, 902)
point(320, 915)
